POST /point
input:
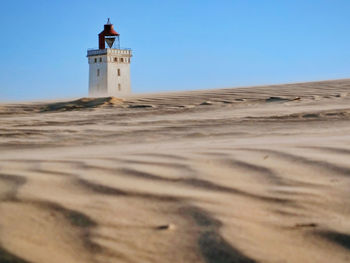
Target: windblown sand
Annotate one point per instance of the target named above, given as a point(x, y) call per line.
point(257, 174)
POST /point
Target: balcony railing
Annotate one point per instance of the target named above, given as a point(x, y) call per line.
point(96, 51)
point(96, 48)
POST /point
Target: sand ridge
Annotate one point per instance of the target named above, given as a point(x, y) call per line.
point(256, 174)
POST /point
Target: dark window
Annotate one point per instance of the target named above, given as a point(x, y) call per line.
point(121, 59)
point(95, 60)
point(100, 59)
point(98, 72)
point(115, 59)
point(118, 71)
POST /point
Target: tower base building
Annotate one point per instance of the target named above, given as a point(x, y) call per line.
point(109, 68)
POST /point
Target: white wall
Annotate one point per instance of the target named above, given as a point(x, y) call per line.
point(106, 84)
point(97, 84)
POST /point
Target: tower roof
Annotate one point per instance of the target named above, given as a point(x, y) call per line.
point(109, 30)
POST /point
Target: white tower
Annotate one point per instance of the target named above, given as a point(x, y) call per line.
point(109, 68)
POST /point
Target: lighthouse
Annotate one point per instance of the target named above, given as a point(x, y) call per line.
point(109, 65)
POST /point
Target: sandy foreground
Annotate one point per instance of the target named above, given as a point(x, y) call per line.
point(257, 174)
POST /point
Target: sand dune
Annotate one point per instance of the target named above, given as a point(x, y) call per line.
point(258, 174)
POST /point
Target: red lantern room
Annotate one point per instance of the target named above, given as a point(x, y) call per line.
point(109, 36)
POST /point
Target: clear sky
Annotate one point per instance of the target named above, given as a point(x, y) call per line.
point(177, 44)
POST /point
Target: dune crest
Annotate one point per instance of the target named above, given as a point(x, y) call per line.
point(83, 103)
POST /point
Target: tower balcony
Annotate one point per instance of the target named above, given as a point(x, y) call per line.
point(109, 51)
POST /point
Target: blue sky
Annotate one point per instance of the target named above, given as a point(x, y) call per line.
point(177, 44)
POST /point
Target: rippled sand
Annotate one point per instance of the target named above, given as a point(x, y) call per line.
point(257, 174)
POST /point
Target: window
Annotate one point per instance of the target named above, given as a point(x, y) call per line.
point(118, 71)
point(115, 59)
point(95, 60)
point(100, 59)
point(119, 87)
point(98, 72)
point(122, 60)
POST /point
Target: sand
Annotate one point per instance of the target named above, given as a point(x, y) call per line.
point(257, 174)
